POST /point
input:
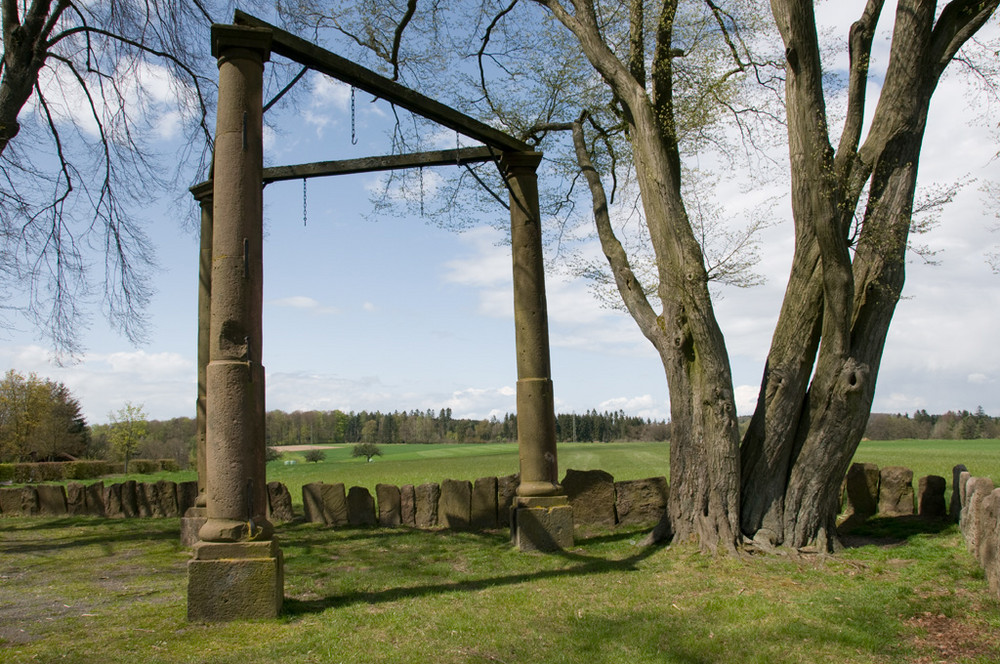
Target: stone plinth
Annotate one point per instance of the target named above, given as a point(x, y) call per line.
point(542, 523)
point(191, 523)
point(235, 581)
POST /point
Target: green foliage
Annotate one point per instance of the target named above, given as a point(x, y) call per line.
point(271, 454)
point(127, 430)
point(367, 450)
point(39, 419)
point(315, 456)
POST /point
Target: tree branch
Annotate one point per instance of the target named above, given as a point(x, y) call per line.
point(411, 8)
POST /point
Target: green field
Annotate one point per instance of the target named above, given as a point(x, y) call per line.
point(416, 464)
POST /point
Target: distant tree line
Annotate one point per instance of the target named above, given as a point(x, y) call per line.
point(961, 425)
point(316, 427)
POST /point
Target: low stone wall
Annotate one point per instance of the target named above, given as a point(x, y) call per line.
point(869, 490)
point(481, 505)
point(114, 501)
point(979, 520)
point(460, 505)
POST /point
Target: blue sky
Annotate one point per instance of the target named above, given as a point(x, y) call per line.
point(396, 313)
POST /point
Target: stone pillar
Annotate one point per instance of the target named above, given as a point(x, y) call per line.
point(194, 518)
point(237, 568)
point(542, 518)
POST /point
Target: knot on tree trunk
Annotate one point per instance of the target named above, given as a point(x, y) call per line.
point(853, 376)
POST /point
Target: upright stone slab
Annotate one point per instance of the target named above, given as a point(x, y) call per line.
point(484, 504)
point(956, 494)
point(279, 502)
point(977, 488)
point(591, 494)
point(506, 494)
point(989, 520)
point(360, 507)
point(895, 493)
point(76, 499)
point(18, 501)
point(989, 544)
point(130, 501)
point(641, 502)
point(95, 498)
point(325, 503)
point(164, 499)
point(963, 489)
point(187, 496)
point(113, 501)
point(389, 505)
point(51, 499)
point(930, 497)
point(455, 506)
point(427, 505)
point(862, 489)
point(408, 505)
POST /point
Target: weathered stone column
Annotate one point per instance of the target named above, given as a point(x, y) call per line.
point(542, 518)
point(237, 570)
point(194, 518)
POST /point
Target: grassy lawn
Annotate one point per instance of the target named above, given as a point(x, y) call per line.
point(80, 590)
point(86, 590)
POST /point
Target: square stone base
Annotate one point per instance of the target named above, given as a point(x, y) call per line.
point(191, 523)
point(541, 524)
point(235, 581)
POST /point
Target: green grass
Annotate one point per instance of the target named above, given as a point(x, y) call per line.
point(79, 590)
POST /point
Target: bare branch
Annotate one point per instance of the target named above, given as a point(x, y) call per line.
point(411, 8)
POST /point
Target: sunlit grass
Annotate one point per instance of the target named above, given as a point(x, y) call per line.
point(82, 590)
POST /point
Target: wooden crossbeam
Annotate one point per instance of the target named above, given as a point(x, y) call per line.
point(457, 157)
point(305, 53)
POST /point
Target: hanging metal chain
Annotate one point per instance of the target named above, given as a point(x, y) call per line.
point(304, 202)
point(421, 191)
point(354, 133)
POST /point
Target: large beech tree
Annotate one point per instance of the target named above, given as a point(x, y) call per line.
point(669, 73)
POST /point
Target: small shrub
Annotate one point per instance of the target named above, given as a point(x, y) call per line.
point(315, 455)
point(169, 465)
point(271, 454)
point(144, 466)
point(83, 470)
point(6, 472)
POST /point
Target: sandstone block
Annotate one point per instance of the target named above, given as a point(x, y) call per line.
point(130, 499)
point(977, 489)
point(930, 497)
point(76, 499)
point(187, 495)
point(484, 504)
point(641, 502)
point(279, 502)
point(360, 507)
point(955, 507)
point(163, 499)
point(542, 524)
point(408, 505)
point(390, 512)
point(51, 499)
point(895, 493)
point(506, 493)
point(427, 505)
point(325, 503)
point(862, 489)
point(455, 505)
point(113, 501)
point(95, 498)
point(18, 501)
point(235, 581)
point(591, 493)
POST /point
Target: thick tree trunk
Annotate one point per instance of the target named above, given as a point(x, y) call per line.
point(800, 443)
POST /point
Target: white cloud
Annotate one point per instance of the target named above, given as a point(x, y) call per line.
point(643, 406)
point(165, 383)
point(304, 303)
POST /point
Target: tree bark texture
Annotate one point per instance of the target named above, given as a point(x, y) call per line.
point(838, 305)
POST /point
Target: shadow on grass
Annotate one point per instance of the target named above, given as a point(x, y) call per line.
point(114, 531)
point(888, 531)
point(582, 565)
